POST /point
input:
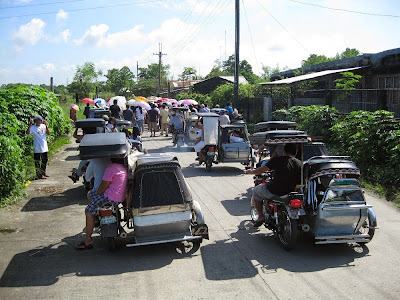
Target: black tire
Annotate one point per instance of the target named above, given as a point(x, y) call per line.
point(111, 244)
point(366, 229)
point(287, 231)
point(208, 164)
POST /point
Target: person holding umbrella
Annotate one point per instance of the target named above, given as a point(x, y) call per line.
point(38, 128)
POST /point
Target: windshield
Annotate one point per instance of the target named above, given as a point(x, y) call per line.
point(344, 195)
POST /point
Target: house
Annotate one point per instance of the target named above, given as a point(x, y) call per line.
point(177, 87)
point(378, 88)
point(209, 85)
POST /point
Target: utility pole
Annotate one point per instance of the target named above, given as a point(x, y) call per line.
point(137, 71)
point(237, 36)
point(160, 54)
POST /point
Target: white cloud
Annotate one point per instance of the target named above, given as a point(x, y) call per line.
point(122, 38)
point(61, 15)
point(93, 36)
point(66, 34)
point(29, 33)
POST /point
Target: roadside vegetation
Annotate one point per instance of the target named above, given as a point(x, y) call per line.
point(371, 139)
point(18, 105)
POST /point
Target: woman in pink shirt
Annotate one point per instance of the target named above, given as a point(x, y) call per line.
point(111, 190)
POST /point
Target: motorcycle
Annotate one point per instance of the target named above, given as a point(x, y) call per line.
point(281, 216)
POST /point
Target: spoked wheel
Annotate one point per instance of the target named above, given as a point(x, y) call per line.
point(365, 228)
point(111, 244)
point(287, 231)
point(208, 164)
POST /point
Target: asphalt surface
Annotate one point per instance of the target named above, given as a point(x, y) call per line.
point(38, 260)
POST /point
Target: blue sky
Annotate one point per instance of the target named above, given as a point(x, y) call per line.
point(40, 39)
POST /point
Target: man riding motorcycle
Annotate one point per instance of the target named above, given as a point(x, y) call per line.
point(176, 123)
point(287, 173)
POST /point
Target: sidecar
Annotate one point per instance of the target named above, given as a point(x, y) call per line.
point(160, 203)
point(275, 125)
point(335, 199)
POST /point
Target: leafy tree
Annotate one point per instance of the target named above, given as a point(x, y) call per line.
point(224, 93)
point(119, 79)
point(215, 71)
point(145, 87)
point(348, 53)
point(245, 69)
point(315, 59)
point(189, 73)
point(84, 80)
point(347, 83)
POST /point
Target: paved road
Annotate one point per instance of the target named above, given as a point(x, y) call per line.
point(38, 261)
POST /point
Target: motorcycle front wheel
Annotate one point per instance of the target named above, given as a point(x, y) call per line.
point(287, 231)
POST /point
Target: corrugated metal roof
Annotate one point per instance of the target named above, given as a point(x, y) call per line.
point(289, 81)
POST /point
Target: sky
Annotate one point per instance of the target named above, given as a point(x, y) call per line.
point(50, 38)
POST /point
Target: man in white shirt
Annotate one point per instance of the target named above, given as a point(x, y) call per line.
point(39, 130)
point(96, 169)
point(236, 137)
point(223, 119)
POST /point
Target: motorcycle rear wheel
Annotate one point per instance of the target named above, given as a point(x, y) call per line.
point(208, 164)
point(366, 229)
point(287, 231)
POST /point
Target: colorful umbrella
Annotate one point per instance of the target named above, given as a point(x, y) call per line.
point(100, 102)
point(74, 106)
point(162, 100)
point(144, 105)
point(88, 101)
point(141, 99)
point(188, 102)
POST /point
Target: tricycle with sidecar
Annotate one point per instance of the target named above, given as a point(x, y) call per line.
point(148, 215)
point(329, 203)
point(219, 147)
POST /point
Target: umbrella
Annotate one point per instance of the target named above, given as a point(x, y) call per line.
point(121, 101)
point(132, 102)
point(188, 102)
point(152, 98)
point(162, 100)
point(100, 102)
point(142, 104)
point(88, 101)
point(74, 106)
point(141, 99)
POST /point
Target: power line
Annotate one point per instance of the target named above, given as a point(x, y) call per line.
point(284, 28)
point(347, 10)
point(41, 4)
point(81, 9)
point(192, 37)
point(251, 38)
point(187, 15)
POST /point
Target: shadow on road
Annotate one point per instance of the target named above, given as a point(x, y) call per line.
point(57, 199)
point(239, 206)
point(45, 265)
point(71, 148)
point(72, 157)
point(266, 251)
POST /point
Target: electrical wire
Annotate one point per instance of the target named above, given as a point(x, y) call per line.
point(186, 16)
point(298, 42)
point(187, 34)
point(251, 38)
point(41, 4)
point(347, 10)
point(180, 48)
point(81, 9)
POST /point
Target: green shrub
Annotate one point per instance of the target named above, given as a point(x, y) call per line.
point(316, 120)
point(18, 105)
point(12, 170)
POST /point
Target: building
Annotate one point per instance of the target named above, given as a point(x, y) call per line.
point(209, 85)
point(378, 88)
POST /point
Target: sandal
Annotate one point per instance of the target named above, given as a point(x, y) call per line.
point(82, 246)
point(74, 177)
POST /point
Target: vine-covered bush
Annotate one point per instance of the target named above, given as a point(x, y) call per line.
point(17, 106)
point(372, 139)
point(315, 119)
